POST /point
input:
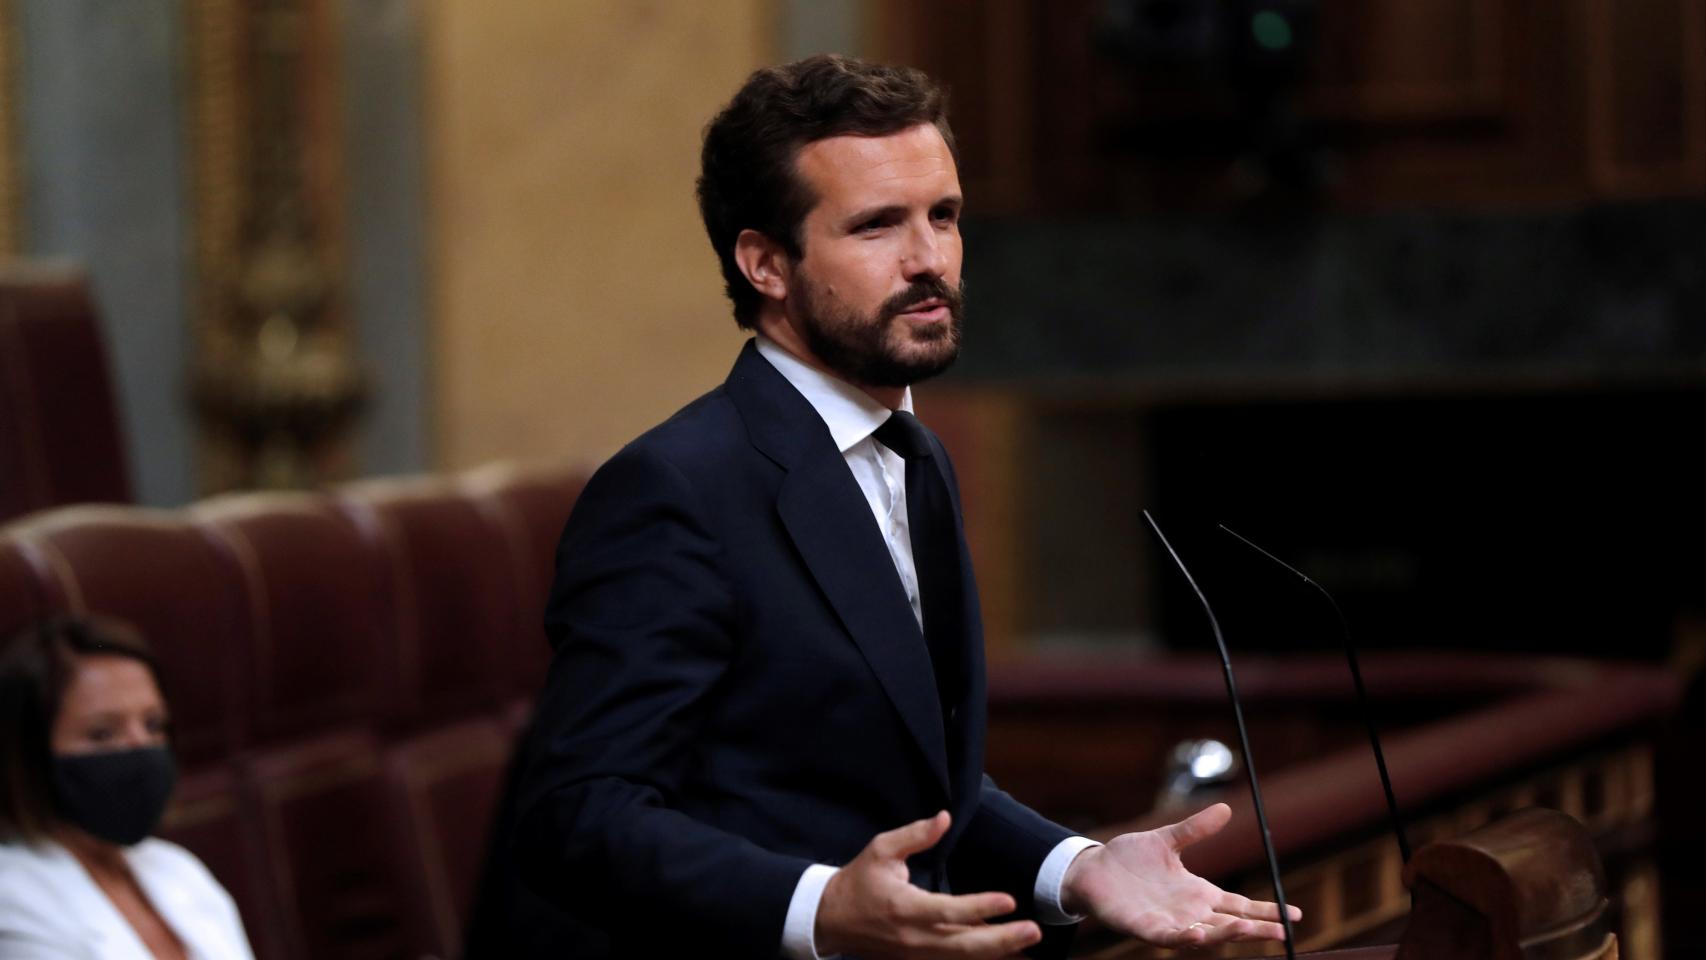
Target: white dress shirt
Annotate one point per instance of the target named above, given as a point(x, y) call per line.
point(852, 417)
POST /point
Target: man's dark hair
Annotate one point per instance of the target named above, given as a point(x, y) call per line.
point(747, 178)
point(36, 666)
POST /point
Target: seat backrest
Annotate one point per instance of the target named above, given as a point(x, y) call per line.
point(60, 438)
point(441, 792)
point(206, 818)
point(452, 596)
point(20, 592)
point(153, 570)
point(321, 608)
point(320, 812)
point(346, 671)
point(529, 505)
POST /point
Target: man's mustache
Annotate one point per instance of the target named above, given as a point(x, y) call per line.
point(917, 292)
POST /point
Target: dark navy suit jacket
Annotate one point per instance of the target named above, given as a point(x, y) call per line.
point(740, 689)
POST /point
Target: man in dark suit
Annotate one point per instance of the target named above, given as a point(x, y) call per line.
point(763, 730)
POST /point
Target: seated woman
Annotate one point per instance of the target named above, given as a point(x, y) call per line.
point(85, 774)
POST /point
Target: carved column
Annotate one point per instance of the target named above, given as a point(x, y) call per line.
point(276, 382)
point(11, 206)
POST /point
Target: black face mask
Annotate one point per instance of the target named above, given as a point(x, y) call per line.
point(115, 795)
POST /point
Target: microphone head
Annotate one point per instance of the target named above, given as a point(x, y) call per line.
point(1196, 768)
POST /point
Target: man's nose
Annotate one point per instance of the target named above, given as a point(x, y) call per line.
point(924, 255)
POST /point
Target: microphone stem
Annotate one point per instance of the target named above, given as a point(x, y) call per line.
point(1373, 737)
point(1362, 693)
point(1243, 741)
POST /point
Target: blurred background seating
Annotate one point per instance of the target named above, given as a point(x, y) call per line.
point(346, 675)
point(60, 437)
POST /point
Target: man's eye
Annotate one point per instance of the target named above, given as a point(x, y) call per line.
point(99, 734)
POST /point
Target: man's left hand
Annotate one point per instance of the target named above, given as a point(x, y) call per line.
point(1137, 885)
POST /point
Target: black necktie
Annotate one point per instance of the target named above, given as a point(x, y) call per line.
point(935, 549)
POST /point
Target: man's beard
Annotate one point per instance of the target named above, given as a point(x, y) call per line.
point(863, 350)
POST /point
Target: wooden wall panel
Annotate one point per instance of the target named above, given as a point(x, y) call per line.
point(988, 69)
point(1509, 134)
point(1381, 61)
point(1647, 95)
point(1456, 104)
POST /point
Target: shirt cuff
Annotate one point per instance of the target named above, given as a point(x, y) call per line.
point(799, 929)
point(1050, 879)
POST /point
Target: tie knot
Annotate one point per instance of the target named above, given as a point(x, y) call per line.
point(903, 434)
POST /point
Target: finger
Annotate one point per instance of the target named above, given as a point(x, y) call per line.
point(1218, 928)
point(993, 941)
point(1204, 823)
point(1239, 929)
point(915, 837)
point(1240, 906)
point(966, 908)
point(1261, 930)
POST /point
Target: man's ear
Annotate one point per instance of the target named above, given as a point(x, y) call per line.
point(766, 265)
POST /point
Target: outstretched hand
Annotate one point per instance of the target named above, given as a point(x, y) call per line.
point(870, 908)
point(1137, 885)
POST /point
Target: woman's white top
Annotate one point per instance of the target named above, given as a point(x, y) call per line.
point(51, 909)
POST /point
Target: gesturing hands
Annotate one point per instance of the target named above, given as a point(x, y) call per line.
point(870, 908)
point(1136, 885)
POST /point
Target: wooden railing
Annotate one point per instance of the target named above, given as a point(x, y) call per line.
point(1572, 736)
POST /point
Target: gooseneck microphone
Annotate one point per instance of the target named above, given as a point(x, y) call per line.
point(1243, 738)
point(1362, 694)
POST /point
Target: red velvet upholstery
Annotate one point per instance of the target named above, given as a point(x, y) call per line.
point(154, 570)
point(529, 506)
point(60, 440)
point(295, 631)
point(441, 788)
point(206, 816)
point(323, 826)
point(516, 716)
point(321, 610)
point(20, 595)
point(453, 596)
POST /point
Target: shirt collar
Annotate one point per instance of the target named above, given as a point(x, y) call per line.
point(849, 412)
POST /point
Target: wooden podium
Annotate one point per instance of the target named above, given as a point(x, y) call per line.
point(1527, 887)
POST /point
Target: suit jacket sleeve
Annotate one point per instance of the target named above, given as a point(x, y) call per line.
point(643, 621)
point(1005, 845)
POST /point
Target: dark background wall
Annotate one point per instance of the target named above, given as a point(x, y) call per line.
point(1411, 291)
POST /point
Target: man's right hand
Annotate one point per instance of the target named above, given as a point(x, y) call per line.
point(871, 909)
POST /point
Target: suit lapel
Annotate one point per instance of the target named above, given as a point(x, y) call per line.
point(848, 560)
point(966, 736)
point(825, 514)
point(969, 661)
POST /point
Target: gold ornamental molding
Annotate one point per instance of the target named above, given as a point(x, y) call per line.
point(11, 187)
point(276, 384)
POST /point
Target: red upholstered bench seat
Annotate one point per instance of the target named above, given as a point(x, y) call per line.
point(345, 671)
